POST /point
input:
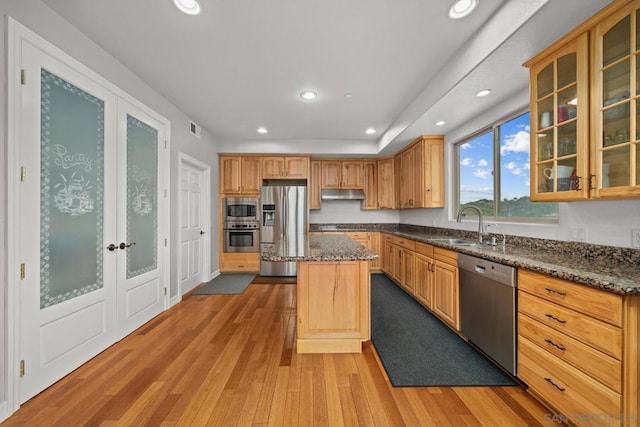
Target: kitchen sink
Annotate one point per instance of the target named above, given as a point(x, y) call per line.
point(455, 242)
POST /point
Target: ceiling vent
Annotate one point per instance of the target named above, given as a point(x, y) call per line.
point(195, 129)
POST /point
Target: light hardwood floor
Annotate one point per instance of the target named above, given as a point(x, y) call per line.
point(230, 360)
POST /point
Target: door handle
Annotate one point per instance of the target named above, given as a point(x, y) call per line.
point(112, 247)
point(201, 232)
point(124, 245)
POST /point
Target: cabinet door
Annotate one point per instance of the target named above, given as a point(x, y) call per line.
point(386, 199)
point(418, 174)
point(559, 124)
point(272, 167)
point(314, 185)
point(407, 182)
point(331, 174)
point(370, 185)
point(396, 264)
point(397, 181)
point(424, 280)
point(352, 175)
point(616, 142)
point(296, 167)
point(387, 256)
point(374, 244)
point(251, 175)
point(230, 176)
point(409, 271)
point(433, 189)
point(445, 297)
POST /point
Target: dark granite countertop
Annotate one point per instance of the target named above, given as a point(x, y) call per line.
point(608, 268)
point(321, 248)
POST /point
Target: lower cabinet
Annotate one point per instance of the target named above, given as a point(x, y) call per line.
point(445, 286)
point(239, 262)
point(424, 273)
point(578, 349)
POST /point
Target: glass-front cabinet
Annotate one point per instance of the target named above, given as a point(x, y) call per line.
point(616, 140)
point(560, 123)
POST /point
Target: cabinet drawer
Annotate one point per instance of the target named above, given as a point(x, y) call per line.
point(599, 304)
point(604, 368)
point(405, 243)
point(575, 394)
point(597, 334)
point(424, 249)
point(445, 255)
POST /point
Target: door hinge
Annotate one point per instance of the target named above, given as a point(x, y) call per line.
point(165, 144)
point(22, 271)
point(23, 173)
point(165, 242)
point(23, 77)
point(165, 193)
point(21, 368)
point(165, 292)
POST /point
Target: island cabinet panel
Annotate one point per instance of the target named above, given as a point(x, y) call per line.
point(333, 306)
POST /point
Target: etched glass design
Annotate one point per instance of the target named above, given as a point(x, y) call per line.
point(142, 203)
point(71, 191)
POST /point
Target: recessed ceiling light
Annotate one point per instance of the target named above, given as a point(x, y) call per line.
point(190, 7)
point(461, 8)
point(370, 131)
point(348, 95)
point(440, 123)
point(262, 130)
point(483, 92)
point(308, 95)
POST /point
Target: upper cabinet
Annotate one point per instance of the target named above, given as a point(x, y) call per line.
point(240, 175)
point(420, 172)
point(370, 170)
point(585, 139)
point(314, 185)
point(285, 167)
point(386, 187)
point(346, 174)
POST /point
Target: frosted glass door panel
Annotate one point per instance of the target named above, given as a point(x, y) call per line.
point(71, 191)
point(142, 203)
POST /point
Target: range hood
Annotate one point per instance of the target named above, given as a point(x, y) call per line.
point(337, 194)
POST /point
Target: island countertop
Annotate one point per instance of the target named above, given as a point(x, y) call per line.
point(320, 248)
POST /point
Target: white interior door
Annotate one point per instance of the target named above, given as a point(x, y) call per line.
point(141, 180)
point(68, 150)
point(193, 226)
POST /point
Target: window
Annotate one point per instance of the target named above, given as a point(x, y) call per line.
point(493, 174)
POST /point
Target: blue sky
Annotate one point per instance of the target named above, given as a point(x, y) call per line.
point(476, 163)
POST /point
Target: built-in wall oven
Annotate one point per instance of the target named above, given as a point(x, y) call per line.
point(241, 209)
point(241, 237)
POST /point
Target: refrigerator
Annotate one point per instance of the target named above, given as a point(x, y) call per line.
point(283, 223)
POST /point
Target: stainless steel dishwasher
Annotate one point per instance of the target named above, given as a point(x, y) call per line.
point(488, 308)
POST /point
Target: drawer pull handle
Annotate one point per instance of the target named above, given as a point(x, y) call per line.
point(562, 294)
point(559, 347)
point(550, 381)
point(551, 316)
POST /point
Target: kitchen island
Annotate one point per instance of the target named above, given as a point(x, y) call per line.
point(333, 293)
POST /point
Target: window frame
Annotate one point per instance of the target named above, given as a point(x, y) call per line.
point(494, 128)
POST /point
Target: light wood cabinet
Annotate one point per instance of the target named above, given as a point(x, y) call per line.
point(397, 168)
point(285, 167)
point(421, 173)
point(370, 170)
point(445, 287)
point(333, 300)
point(578, 347)
point(386, 188)
point(346, 174)
point(314, 184)
point(240, 175)
point(374, 243)
point(585, 98)
point(424, 272)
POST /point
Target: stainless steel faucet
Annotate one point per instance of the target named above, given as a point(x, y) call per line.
point(480, 232)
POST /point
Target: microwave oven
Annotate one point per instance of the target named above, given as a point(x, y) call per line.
point(241, 209)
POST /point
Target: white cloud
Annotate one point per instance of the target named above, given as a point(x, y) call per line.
point(513, 167)
point(483, 163)
point(482, 173)
point(516, 143)
point(465, 146)
point(467, 161)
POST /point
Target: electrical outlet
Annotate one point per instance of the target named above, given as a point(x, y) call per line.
point(635, 238)
point(578, 234)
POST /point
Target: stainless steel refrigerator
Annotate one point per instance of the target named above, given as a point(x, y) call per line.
point(283, 223)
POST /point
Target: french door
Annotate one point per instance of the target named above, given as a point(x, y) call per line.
point(93, 269)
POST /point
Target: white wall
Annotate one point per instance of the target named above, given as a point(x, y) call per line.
point(42, 20)
point(348, 211)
